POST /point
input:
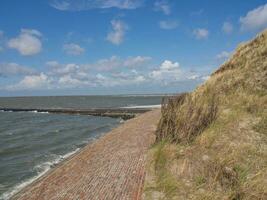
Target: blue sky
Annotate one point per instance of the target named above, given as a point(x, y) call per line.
point(72, 47)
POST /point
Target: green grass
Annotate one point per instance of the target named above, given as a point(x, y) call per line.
point(242, 172)
point(200, 180)
point(165, 182)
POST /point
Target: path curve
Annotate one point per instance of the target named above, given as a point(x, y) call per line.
point(111, 168)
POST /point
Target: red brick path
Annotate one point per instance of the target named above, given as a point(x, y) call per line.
point(111, 168)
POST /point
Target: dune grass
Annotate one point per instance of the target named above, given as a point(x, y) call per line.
point(212, 143)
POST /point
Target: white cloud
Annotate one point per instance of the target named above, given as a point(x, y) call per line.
point(193, 77)
point(27, 42)
point(61, 5)
point(170, 24)
point(31, 32)
point(163, 6)
point(115, 72)
point(223, 55)
point(227, 27)
point(115, 63)
point(64, 69)
point(116, 36)
point(13, 69)
point(119, 79)
point(73, 49)
point(170, 73)
point(198, 77)
point(205, 78)
point(139, 79)
point(52, 63)
point(169, 65)
point(167, 71)
point(106, 64)
point(255, 19)
point(201, 33)
point(78, 5)
point(136, 61)
point(67, 81)
point(32, 82)
point(122, 4)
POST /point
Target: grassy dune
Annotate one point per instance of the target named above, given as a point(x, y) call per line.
point(212, 143)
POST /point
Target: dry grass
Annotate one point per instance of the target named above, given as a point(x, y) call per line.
point(185, 117)
point(212, 143)
point(261, 126)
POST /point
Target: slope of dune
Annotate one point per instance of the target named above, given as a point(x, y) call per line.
point(212, 143)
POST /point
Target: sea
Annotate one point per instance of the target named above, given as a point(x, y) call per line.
point(31, 143)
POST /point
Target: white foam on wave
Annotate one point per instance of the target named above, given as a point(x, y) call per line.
point(36, 111)
point(32, 111)
point(143, 106)
point(7, 111)
point(44, 112)
point(42, 169)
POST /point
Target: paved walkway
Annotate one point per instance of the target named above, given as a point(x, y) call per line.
point(111, 168)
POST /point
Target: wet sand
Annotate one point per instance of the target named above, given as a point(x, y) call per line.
point(113, 167)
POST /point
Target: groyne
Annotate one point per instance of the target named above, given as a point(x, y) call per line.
point(124, 113)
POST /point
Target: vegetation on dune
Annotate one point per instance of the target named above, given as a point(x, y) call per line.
point(184, 117)
point(212, 143)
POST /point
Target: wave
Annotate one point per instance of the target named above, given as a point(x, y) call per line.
point(6, 111)
point(41, 170)
point(32, 111)
point(36, 111)
point(144, 106)
point(99, 128)
point(42, 112)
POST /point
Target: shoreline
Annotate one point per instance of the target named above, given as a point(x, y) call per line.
point(73, 158)
point(59, 164)
point(53, 167)
point(49, 171)
point(13, 192)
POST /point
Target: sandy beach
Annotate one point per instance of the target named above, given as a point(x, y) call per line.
point(110, 168)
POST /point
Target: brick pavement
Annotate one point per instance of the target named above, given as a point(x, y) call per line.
point(112, 168)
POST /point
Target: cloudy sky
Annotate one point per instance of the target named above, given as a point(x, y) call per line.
point(72, 47)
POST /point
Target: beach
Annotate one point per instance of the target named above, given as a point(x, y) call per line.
point(113, 167)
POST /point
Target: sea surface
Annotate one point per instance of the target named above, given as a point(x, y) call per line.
point(31, 143)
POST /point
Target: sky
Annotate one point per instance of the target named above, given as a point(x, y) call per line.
point(98, 47)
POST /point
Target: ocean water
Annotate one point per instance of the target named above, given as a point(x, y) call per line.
point(80, 102)
point(31, 143)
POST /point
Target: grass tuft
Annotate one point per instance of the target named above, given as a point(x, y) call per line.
point(185, 117)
